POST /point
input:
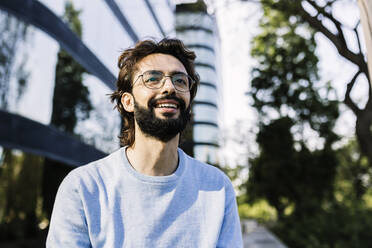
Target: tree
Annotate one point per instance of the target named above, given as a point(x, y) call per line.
point(283, 84)
point(305, 184)
point(324, 22)
point(286, 78)
point(353, 176)
point(288, 179)
point(71, 98)
point(70, 105)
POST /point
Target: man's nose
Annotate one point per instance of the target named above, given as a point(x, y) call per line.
point(168, 85)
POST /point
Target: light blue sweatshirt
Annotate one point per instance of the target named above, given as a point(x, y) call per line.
point(107, 203)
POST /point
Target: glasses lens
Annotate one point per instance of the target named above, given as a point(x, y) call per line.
point(181, 81)
point(155, 80)
point(152, 79)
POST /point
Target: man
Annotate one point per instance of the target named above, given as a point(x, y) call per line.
point(149, 193)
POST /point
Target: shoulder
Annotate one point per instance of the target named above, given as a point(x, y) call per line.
point(205, 172)
point(95, 171)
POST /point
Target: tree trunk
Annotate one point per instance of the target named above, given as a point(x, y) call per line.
point(363, 131)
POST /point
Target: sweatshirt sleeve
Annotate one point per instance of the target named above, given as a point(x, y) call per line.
point(230, 234)
point(68, 226)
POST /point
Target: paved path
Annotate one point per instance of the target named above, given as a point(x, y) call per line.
point(256, 236)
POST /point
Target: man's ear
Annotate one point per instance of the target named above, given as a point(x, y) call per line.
point(128, 101)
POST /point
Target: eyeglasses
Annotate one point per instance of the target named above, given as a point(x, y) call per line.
point(156, 79)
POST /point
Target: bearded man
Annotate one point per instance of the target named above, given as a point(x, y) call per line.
point(149, 193)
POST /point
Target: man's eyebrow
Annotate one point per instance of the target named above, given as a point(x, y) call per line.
point(161, 72)
point(155, 71)
point(176, 72)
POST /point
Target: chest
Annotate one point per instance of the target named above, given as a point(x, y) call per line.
point(132, 215)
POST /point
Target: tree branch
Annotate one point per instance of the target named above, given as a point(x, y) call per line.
point(340, 44)
point(368, 106)
point(355, 29)
point(348, 101)
point(337, 24)
point(330, 3)
point(360, 52)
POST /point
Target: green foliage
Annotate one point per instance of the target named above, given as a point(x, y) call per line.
point(71, 98)
point(321, 195)
point(337, 226)
point(353, 175)
point(71, 104)
point(260, 211)
point(19, 173)
point(287, 177)
point(71, 17)
point(284, 79)
point(284, 82)
point(20, 189)
point(198, 6)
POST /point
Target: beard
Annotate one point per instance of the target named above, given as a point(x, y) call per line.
point(161, 129)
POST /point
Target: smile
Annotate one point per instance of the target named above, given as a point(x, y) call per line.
point(167, 105)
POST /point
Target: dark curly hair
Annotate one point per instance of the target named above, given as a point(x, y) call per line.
point(127, 64)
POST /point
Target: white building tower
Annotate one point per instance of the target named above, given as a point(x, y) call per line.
point(199, 32)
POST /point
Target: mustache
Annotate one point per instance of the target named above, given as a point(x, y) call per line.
point(181, 103)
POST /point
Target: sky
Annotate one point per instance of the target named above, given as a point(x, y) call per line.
point(237, 24)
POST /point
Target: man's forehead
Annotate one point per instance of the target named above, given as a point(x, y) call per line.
point(160, 62)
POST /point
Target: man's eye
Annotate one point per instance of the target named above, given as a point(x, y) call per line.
point(180, 81)
point(152, 79)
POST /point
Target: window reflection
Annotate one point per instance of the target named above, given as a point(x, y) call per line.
point(191, 36)
point(206, 74)
point(207, 94)
point(204, 56)
point(208, 154)
point(205, 133)
point(201, 20)
point(205, 113)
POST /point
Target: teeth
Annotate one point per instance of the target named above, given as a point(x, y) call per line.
point(167, 105)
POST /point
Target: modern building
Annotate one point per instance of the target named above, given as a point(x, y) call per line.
point(108, 27)
point(199, 31)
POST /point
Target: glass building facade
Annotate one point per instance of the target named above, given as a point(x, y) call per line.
point(109, 27)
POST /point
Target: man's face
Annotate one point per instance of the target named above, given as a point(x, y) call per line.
point(160, 113)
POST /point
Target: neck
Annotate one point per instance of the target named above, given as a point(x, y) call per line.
point(153, 157)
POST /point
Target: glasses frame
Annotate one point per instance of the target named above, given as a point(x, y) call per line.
point(162, 81)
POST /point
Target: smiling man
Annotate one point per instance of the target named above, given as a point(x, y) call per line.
point(149, 193)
